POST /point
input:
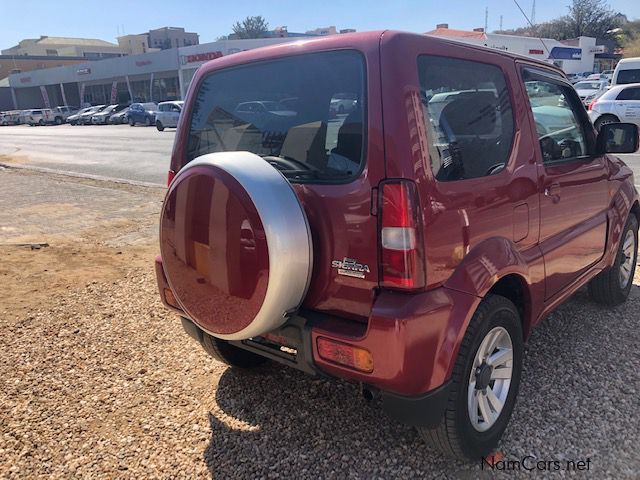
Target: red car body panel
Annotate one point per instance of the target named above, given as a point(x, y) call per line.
point(547, 229)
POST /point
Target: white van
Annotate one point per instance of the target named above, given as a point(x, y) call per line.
point(627, 71)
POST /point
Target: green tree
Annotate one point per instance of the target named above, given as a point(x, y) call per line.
point(251, 27)
point(589, 18)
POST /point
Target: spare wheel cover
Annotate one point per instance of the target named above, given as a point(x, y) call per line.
point(235, 244)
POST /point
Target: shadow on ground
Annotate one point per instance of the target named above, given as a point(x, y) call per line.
point(282, 422)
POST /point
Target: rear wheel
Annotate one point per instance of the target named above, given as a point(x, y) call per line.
point(612, 286)
point(159, 125)
point(604, 119)
point(484, 384)
point(41, 122)
point(147, 122)
point(231, 355)
point(132, 122)
point(58, 121)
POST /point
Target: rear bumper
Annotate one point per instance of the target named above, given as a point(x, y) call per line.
point(413, 340)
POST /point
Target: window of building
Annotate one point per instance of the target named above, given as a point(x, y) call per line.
point(468, 117)
point(52, 52)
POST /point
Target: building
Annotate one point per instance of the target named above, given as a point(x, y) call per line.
point(323, 31)
point(17, 64)
point(572, 56)
point(283, 32)
point(171, 37)
point(44, 46)
point(152, 76)
point(136, 44)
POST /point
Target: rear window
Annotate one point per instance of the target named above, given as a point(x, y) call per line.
point(303, 114)
point(468, 115)
point(629, 76)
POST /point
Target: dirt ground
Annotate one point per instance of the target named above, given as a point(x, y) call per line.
point(98, 380)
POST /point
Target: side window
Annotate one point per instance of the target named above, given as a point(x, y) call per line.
point(632, 93)
point(557, 120)
point(468, 115)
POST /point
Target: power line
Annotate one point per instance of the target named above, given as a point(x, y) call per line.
point(531, 24)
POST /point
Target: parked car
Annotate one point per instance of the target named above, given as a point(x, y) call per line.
point(74, 119)
point(608, 75)
point(61, 113)
point(102, 117)
point(144, 113)
point(40, 117)
point(121, 117)
point(11, 117)
point(627, 71)
point(618, 104)
point(85, 118)
point(408, 249)
point(342, 103)
point(589, 90)
point(168, 114)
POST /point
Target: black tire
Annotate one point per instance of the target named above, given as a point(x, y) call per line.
point(605, 288)
point(456, 436)
point(159, 125)
point(132, 122)
point(41, 122)
point(605, 119)
point(147, 122)
point(58, 121)
point(231, 355)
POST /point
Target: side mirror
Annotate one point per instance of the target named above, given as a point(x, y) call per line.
point(617, 138)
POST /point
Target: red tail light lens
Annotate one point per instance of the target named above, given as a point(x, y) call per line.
point(402, 259)
point(170, 177)
point(590, 107)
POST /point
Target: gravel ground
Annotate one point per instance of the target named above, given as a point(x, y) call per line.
point(98, 380)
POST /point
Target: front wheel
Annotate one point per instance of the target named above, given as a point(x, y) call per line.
point(233, 356)
point(132, 122)
point(159, 125)
point(147, 122)
point(605, 119)
point(58, 121)
point(484, 384)
point(612, 285)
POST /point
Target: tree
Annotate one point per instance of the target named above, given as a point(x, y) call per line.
point(251, 27)
point(589, 18)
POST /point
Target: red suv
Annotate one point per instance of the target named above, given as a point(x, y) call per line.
point(408, 243)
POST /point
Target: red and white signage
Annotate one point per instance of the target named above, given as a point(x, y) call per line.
point(201, 57)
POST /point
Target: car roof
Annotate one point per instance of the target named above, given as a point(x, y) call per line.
point(358, 40)
point(617, 89)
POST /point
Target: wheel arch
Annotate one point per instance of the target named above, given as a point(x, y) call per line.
point(496, 266)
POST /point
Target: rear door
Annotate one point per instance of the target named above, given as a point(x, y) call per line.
point(573, 180)
point(334, 162)
point(627, 105)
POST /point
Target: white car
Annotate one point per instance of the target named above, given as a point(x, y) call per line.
point(168, 114)
point(42, 116)
point(619, 104)
point(627, 71)
point(589, 90)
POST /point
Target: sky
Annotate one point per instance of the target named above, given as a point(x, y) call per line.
point(108, 19)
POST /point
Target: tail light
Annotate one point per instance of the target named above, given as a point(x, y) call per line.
point(593, 102)
point(345, 354)
point(402, 259)
point(170, 177)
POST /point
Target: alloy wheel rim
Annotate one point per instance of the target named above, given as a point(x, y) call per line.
point(628, 256)
point(490, 379)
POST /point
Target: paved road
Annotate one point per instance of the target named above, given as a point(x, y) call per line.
point(116, 151)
